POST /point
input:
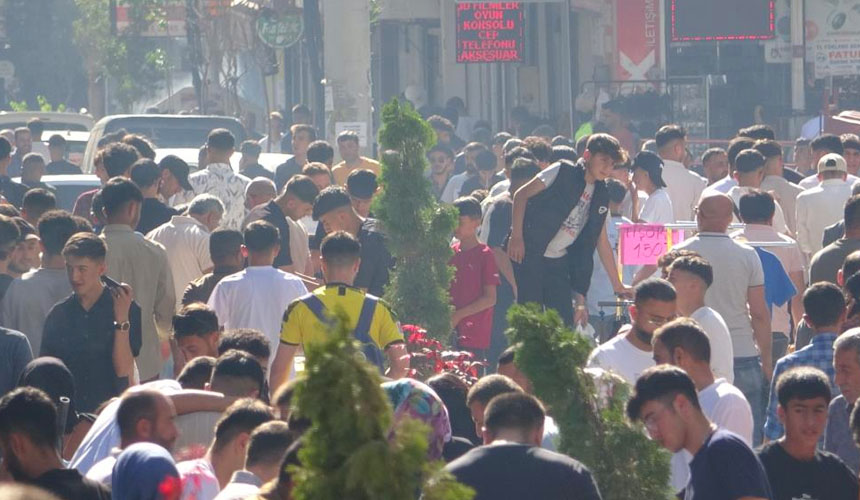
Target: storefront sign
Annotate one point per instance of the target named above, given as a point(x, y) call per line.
point(280, 32)
point(837, 57)
point(833, 36)
point(638, 32)
point(490, 32)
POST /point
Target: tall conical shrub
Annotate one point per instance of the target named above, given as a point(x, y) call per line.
point(592, 422)
point(418, 227)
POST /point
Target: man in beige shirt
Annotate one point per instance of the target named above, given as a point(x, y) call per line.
point(350, 151)
point(785, 192)
point(142, 264)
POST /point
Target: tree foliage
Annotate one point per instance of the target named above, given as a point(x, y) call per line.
point(348, 452)
point(418, 227)
point(592, 422)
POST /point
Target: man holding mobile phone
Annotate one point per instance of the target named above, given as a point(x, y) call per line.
point(96, 331)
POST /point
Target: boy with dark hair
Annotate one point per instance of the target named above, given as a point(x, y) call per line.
point(824, 304)
point(33, 295)
point(350, 151)
point(118, 158)
point(153, 213)
point(371, 320)
point(36, 202)
point(511, 463)
point(28, 442)
point(723, 465)
point(333, 209)
point(196, 331)
point(96, 331)
point(630, 354)
point(284, 212)
point(225, 248)
point(558, 221)
point(362, 187)
point(795, 466)
point(473, 290)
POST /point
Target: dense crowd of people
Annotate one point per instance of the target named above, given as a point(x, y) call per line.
point(153, 336)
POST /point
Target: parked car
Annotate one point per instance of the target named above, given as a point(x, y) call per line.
point(165, 131)
point(53, 120)
point(67, 188)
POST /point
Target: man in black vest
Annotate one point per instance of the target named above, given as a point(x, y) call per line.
point(558, 220)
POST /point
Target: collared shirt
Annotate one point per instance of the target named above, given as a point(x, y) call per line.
point(141, 263)
point(242, 485)
point(818, 354)
point(13, 191)
point(153, 213)
point(737, 268)
point(200, 289)
point(83, 340)
point(818, 207)
point(684, 188)
point(271, 212)
point(786, 194)
point(30, 298)
point(256, 298)
point(838, 437)
point(791, 258)
point(341, 171)
point(186, 241)
point(218, 179)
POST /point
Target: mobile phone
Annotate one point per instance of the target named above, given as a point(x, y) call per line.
point(110, 283)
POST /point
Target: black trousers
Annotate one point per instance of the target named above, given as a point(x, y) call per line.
point(545, 281)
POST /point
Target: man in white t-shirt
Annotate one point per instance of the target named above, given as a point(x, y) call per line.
point(737, 294)
point(648, 178)
point(684, 344)
point(258, 296)
point(691, 276)
point(822, 205)
point(684, 187)
point(203, 478)
point(629, 354)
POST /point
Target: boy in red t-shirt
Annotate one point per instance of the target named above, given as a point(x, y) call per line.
point(473, 290)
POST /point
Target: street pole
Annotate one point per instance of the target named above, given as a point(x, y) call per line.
point(798, 95)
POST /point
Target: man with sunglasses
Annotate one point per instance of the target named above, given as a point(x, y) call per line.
point(630, 353)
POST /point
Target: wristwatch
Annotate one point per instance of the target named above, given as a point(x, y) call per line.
point(124, 326)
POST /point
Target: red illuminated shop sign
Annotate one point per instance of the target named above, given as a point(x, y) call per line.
point(489, 32)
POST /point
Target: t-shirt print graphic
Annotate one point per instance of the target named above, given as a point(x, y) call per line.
point(575, 221)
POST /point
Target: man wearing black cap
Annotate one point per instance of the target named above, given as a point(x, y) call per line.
point(174, 181)
point(333, 209)
point(59, 165)
point(648, 178)
point(361, 186)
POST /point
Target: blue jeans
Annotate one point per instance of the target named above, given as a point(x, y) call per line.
point(750, 380)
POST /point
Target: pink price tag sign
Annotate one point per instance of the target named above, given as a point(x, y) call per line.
point(644, 244)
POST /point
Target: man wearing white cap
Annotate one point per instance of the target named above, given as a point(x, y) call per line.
point(822, 205)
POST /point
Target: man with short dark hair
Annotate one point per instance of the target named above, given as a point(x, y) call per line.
point(35, 293)
point(511, 463)
point(59, 165)
point(749, 172)
point(144, 416)
point(265, 455)
point(196, 331)
point(142, 264)
point(28, 442)
point(114, 160)
point(196, 373)
point(684, 187)
point(247, 340)
point(715, 164)
point(825, 312)
point(441, 169)
point(794, 465)
point(775, 181)
point(219, 179)
point(306, 319)
point(12, 191)
point(822, 145)
point(32, 171)
point(485, 173)
point(350, 151)
point(302, 135)
point(464, 170)
point(201, 478)
point(445, 134)
point(96, 331)
point(225, 249)
point(36, 202)
point(174, 187)
point(558, 221)
point(321, 152)
point(846, 365)
point(257, 296)
point(362, 187)
point(284, 212)
point(825, 264)
point(333, 209)
point(628, 355)
point(683, 343)
point(483, 391)
point(186, 240)
point(153, 213)
point(723, 466)
point(249, 164)
point(723, 185)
